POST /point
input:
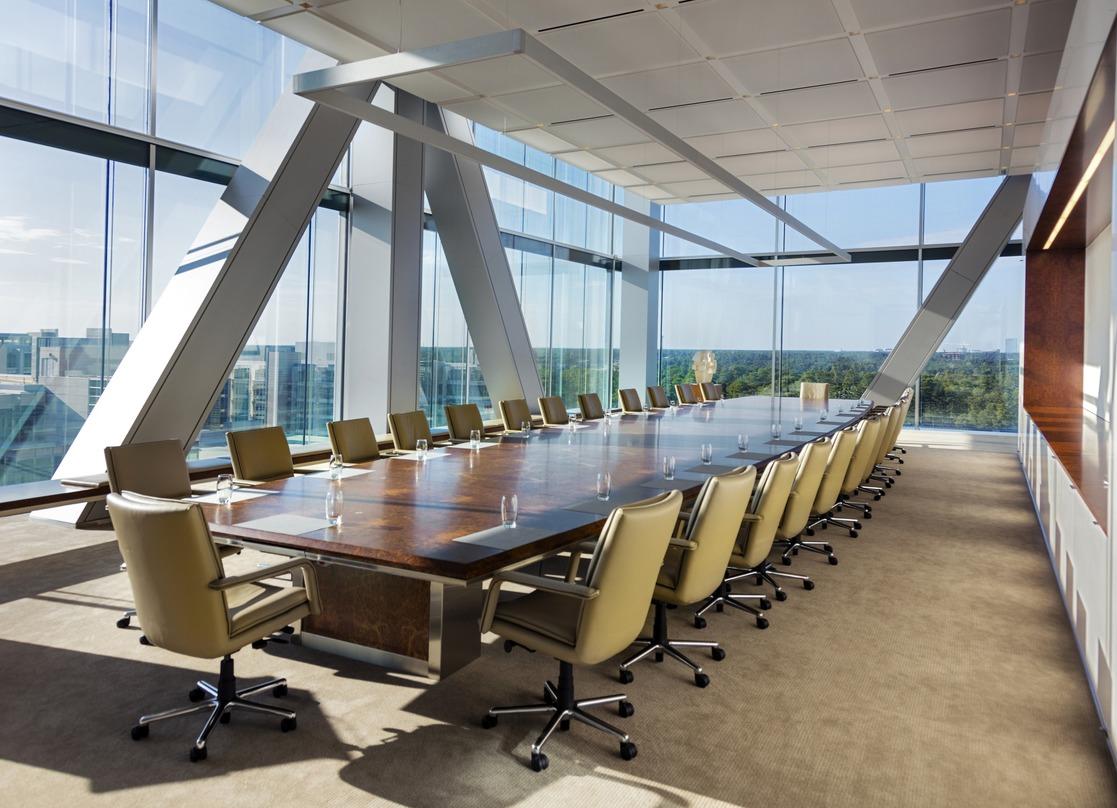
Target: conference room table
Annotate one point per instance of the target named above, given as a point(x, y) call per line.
point(400, 578)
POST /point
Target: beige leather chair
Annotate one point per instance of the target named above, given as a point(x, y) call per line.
point(826, 501)
point(554, 411)
point(800, 503)
point(590, 405)
point(888, 420)
point(864, 451)
point(750, 556)
point(409, 427)
point(189, 606)
point(630, 401)
point(889, 447)
point(261, 454)
point(515, 414)
point(657, 398)
point(814, 391)
point(909, 394)
point(686, 393)
point(156, 469)
point(586, 623)
point(461, 419)
point(695, 565)
point(710, 391)
point(353, 440)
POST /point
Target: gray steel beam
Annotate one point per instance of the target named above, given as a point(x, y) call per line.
point(461, 205)
point(934, 319)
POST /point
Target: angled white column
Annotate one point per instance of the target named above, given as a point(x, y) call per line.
point(462, 208)
point(639, 291)
point(984, 243)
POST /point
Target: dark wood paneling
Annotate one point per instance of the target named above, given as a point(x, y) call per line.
point(1054, 322)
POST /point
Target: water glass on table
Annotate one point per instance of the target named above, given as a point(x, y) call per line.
point(335, 466)
point(777, 430)
point(706, 453)
point(421, 448)
point(743, 442)
point(334, 500)
point(525, 428)
point(224, 489)
point(604, 486)
point(509, 510)
point(475, 439)
point(669, 468)
point(798, 423)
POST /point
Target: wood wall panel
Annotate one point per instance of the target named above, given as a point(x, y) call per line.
point(1054, 322)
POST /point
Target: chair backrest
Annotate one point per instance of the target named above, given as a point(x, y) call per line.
point(409, 427)
point(590, 405)
point(715, 521)
point(624, 567)
point(353, 440)
point(260, 454)
point(514, 413)
point(553, 410)
point(894, 433)
point(657, 397)
point(804, 489)
point(837, 464)
point(685, 393)
point(768, 501)
point(461, 419)
point(890, 418)
point(171, 561)
point(710, 391)
point(863, 454)
point(156, 468)
point(630, 400)
point(814, 391)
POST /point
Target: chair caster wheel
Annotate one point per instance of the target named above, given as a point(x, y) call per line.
point(140, 731)
point(701, 680)
point(785, 561)
point(828, 548)
point(564, 725)
point(868, 515)
point(196, 695)
point(124, 622)
point(659, 656)
point(833, 561)
point(625, 709)
point(765, 604)
point(508, 646)
point(719, 607)
point(628, 750)
point(226, 717)
point(856, 525)
point(197, 754)
point(625, 677)
point(718, 653)
point(823, 526)
point(781, 595)
point(488, 721)
point(539, 761)
point(699, 622)
point(762, 622)
point(809, 531)
point(808, 584)
point(279, 691)
point(876, 497)
point(288, 724)
point(853, 534)
point(759, 581)
point(144, 640)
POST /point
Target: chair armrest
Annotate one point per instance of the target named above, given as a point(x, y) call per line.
point(492, 598)
point(686, 544)
point(580, 549)
point(752, 517)
point(310, 579)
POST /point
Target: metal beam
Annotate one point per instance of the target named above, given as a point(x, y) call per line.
point(947, 301)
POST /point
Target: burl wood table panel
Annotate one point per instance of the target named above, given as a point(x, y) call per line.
point(399, 591)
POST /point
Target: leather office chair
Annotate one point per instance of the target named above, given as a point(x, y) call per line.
point(189, 606)
point(814, 391)
point(889, 445)
point(590, 405)
point(826, 502)
point(553, 410)
point(657, 398)
point(750, 556)
point(800, 503)
point(686, 394)
point(909, 394)
point(863, 453)
point(461, 419)
point(630, 401)
point(709, 391)
point(154, 468)
point(353, 440)
point(409, 427)
point(586, 623)
point(261, 454)
point(888, 419)
point(515, 414)
point(695, 565)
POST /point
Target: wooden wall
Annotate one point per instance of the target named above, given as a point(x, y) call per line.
point(1054, 322)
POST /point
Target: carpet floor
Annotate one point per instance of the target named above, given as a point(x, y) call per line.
point(933, 666)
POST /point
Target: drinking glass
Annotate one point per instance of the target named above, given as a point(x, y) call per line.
point(707, 453)
point(525, 428)
point(509, 510)
point(475, 439)
point(334, 501)
point(743, 442)
point(604, 485)
point(798, 422)
point(777, 430)
point(335, 467)
point(669, 468)
point(224, 489)
point(421, 447)
point(823, 415)
point(571, 425)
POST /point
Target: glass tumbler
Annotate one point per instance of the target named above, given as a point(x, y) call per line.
point(224, 489)
point(509, 510)
point(334, 500)
point(669, 468)
point(706, 452)
point(475, 439)
point(421, 447)
point(604, 486)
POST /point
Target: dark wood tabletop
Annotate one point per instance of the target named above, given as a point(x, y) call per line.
point(405, 515)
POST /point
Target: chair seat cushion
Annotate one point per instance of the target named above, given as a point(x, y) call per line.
point(553, 616)
point(252, 605)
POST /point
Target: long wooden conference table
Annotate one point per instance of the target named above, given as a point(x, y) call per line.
point(401, 577)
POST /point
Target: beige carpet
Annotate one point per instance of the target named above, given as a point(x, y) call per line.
point(934, 666)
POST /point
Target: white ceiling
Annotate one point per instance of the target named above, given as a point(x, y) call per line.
point(789, 95)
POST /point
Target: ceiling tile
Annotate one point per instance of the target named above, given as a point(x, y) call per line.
point(536, 14)
point(839, 130)
point(670, 86)
point(959, 162)
point(799, 66)
point(885, 13)
point(483, 112)
point(639, 154)
point(954, 116)
point(1039, 72)
point(1033, 107)
point(541, 139)
point(763, 163)
point(584, 160)
point(672, 172)
point(738, 26)
point(599, 133)
point(785, 179)
point(819, 103)
point(706, 186)
point(414, 24)
point(621, 44)
point(963, 175)
point(649, 191)
point(711, 118)
point(1048, 25)
point(1026, 157)
point(1029, 134)
point(950, 85)
point(433, 88)
point(849, 154)
point(970, 140)
point(721, 145)
point(507, 74)
point(552, 104)
point(945, 42)
point(868, 173)
point(620, 177)
point(326, 36)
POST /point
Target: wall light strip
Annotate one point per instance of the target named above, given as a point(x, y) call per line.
point(1080, 189)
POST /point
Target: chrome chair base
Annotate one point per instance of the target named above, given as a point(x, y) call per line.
point(767, 573)
point(723, 596)
point(793, 546)
point(560, 702)
point(220, 700)
point(661, 645)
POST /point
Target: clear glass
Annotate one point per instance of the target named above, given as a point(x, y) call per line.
point(857, 218)
point(509, 510)
point(224, 489)
point(798, 423)
point(475, 438)
point(669, 468)
point(706, 453)
point(604, 485)
point(525, 427)
point(182, 206)
point(823, 415)
point(952, 208)
point(334, 502)
point(336, 466)
point(734, 223)
point(421, 448)
point(743, 442)
point(777, 430)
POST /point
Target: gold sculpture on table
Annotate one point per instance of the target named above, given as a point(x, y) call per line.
point(705, 365)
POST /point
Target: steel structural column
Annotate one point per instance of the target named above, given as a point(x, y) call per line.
point(941, 309)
